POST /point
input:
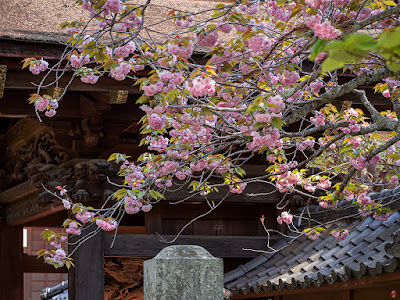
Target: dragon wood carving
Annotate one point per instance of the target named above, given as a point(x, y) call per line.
point(85, 180)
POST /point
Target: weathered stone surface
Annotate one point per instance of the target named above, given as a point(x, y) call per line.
point(183, 272)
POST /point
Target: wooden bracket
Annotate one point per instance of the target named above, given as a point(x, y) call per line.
point(119, 97)
point(3, 71)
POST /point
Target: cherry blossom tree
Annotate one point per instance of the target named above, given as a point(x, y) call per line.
point(271, 88)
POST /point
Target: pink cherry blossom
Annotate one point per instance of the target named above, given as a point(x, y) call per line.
point(208, 39)
point(285, 217)
point(363, 199)
point(147, 207)
point(73, 228)
point(50, 113)
point(381, 216)
point(263, 118)
point(84, 217)
point(225, 27)
point(238, 189)
point(313, 234)
point(359, 163)
point(355, 142)
point(326, 31)
point(107, 224)
point(181, 50)
point(316, 86)
point(202, 86)
point(66, 203)
point(319, 119)
point(90, 78)
point(114, 6)
point(156, 122)
point(289, 77)
point(394, 180)
point(340, 235)
point(41, 104)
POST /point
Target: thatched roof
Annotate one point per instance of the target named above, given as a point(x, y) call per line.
point(40, 20)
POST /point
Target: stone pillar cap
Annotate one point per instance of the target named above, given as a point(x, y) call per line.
point(184, 252)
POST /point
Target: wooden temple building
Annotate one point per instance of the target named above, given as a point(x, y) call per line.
point(71, 148)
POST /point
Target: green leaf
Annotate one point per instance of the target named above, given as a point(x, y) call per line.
point(317, 49)
point(345, 149)
point(112, 157)
point(277, 123)
point(119, 194)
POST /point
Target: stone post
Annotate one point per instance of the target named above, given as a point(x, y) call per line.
point(183, 272)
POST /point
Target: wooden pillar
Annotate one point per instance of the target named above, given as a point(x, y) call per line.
point(11, 266)
point(86, 280)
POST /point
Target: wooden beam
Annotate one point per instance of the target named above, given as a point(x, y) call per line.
point(126, 229)
point(32, 264)
point(354, 283)
point(141, 245)
point(11, 266)
point(21, 79)
point(17, 192)
point(28, 209)
point(53, 220)
point(86, 279)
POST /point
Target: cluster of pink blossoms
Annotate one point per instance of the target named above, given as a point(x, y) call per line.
point(207, 39)
point(289, 77)
point(238, 188)
point(57, 243)
point(304, 144)
point(326, 204)
point(38, 65)
point(224, 26)
point(316, 86)
point(158, 143)
point(323, 30)
point(120, 72)
point(381, 216)
point(156, 121)
point(107, 224)
point(355, 142)
point(259, 44)
point(85, 216)
point(361, 162)
point(56, 258)
point(318, 120)
point(394, 180)
point(180, 49)
point(363, 199)
point(281, 13)
point(184, 22)
point(90, 78)
point(133, 206)
point(270, 138)
point(168, 82)
point(313, 234)
point(285, 217)
point(114, 6)
point(340, 234)
point(73, 228)
point(125, 50)
point(79, 61)
point(201, 87)
point(49, 106)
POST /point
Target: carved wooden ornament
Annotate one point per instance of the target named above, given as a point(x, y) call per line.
point(3, 71)
point(119, 97)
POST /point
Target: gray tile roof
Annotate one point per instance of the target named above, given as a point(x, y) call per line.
point(304, 262)
point(58, 292)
